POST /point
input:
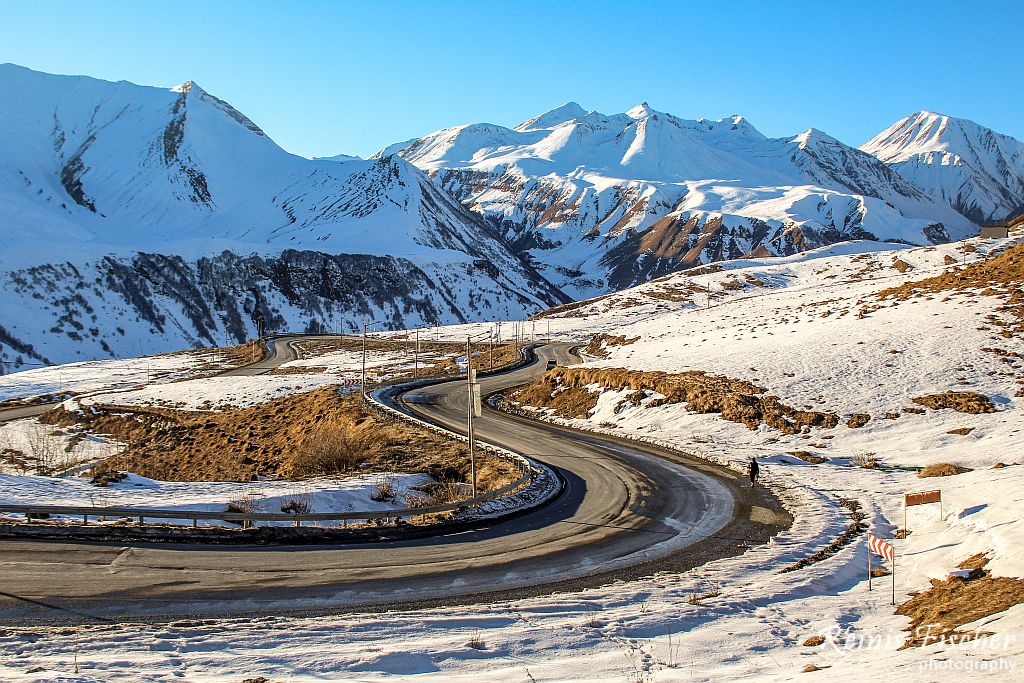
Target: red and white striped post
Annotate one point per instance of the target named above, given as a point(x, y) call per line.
point(884, 549)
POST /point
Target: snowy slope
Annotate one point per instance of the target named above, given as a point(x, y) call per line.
point(605, 202)
point(977, 171)
point(134, 211)
point(740, 618)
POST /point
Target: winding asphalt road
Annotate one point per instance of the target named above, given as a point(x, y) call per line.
point(625, 511)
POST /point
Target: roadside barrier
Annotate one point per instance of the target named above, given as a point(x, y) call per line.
point(531, 473)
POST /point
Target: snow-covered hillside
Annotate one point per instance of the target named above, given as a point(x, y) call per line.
point(977, 171)
point(820, 331)
point(135, 212)
point(606, 202)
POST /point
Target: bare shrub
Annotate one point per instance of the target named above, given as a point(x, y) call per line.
point(45, 449)
point(333, 451)
point(866, 460)
point(384, 489)
point(476, 641)
point(248, 503)
point(298, 504)
point(434, 493)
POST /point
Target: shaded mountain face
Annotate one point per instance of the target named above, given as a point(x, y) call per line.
point(602, 202)
point(166, 217)
point(973, 169)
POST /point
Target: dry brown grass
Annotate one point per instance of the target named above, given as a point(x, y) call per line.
point(901, 265)
point(696, 599)
point(942, 469)
point(961, 431)
point(298, 370)
point(858, 420)
point(814, 641)
point(960, 401)
point(333, 450)
point(938, 612)
point(564, 389)
point(601, 341)
point(1000, 276)
point(807, 456)
point(289, 437)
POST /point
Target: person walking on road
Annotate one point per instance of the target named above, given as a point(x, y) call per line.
point(753, 469)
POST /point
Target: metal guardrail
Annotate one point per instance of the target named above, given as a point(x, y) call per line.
point(246, 519)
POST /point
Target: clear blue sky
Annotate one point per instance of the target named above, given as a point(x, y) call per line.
point(350, 77)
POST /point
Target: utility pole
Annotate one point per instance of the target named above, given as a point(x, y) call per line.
point(471, 409)
point(416, 355)
point(362, 385)
point(549, 329)
point(475, 406)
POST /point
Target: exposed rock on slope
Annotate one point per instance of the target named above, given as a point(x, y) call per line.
point(606, 202)
point(168, 215)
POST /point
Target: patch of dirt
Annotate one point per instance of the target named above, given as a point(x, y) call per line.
point(938, 612)
point(275, 439)
point(961, 401)
point(565, 390)
point(942, 469)
point(962, 431)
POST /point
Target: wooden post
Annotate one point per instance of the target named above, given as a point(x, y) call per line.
point(894, 577)
point(869, 565)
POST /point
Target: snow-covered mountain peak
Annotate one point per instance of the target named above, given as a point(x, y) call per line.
point(185, 87)
point(924, 132)
point(641, 111)
point(976, 170)
point(812, 137)
point(549, 119)
point(339, 157)
point(167, 215)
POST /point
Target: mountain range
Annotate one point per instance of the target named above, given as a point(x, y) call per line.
point(140, 219)
point(603, 202)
